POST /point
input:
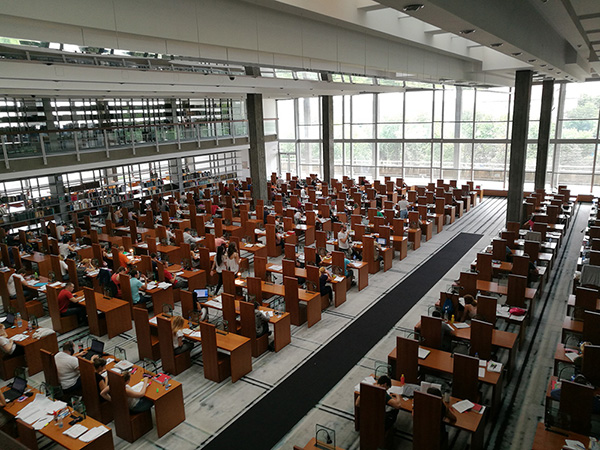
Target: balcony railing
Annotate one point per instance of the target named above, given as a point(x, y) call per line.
point(44, 143)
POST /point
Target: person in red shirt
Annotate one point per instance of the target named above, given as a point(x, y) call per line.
point(214, 209)
point(68, 306)
point(115, 279)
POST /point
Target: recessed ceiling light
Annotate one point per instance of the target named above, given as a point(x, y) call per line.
point(558, 72)
point(531, 60)
point(467, 31)
point(496, 44)
point(517, 53)
point(550, 68)
point(413, 7)
point(543, 65)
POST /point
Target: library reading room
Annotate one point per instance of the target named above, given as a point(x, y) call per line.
point(299, 224)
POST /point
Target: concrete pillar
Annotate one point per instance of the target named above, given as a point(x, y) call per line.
point(176, 174)
point(457, 126)
point(328, 146)
point(541, 162)
point(256, 133)
point(57, 190)
point(518, 146)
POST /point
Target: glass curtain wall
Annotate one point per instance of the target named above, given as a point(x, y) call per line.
point(426, 132)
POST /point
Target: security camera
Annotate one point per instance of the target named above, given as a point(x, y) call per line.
point(231, 77)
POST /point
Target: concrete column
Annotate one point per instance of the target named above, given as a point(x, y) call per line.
point(541, 163)
point(518, 146)
point(57, 190)
point(327, 125)
point(457, 129)
point(175, 173)
point(256, 133)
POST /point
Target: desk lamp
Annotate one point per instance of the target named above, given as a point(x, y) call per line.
point(328, 443)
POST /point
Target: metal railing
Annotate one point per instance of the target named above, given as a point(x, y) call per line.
point(44, 143)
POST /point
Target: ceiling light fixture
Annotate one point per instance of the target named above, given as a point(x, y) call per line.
point(543, 65)
point(470, 31)
point(413, 7)
point(496, 44)
point(531, 60)
point(517, 53)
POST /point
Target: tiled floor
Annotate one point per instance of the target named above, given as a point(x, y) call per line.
point(211, 407)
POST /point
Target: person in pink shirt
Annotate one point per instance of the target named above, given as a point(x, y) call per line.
point(219, 241)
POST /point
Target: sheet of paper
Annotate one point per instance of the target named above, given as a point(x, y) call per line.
point(423, 353)
point(463, 406)
point(93, 434)
point(481, 372)
point(41, 423)
point(138, 387)
point(461, 325)
point(573, 444)
point(482, 362)
point(396, 390)
point(153, 321)
point(75, 431)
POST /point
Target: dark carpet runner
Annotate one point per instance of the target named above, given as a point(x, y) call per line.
point(265, 423)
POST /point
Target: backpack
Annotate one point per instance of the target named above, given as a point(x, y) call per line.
point(448, 308)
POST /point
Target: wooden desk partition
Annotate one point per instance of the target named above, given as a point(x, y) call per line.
point(407, 360)
point(95, 406)
point(591, 364)
point(576, 406)
point(481, 340)
point(486, 308)
point(431, 332)
point(96, 322)
point(217, 365)
point(171, 363)
point(128, 426)
point(427, 419)
point(591, 327)
point(465, 383)
point(484, 266)
point(147, 343)
point(292, 302)
point(372, 417)
point(517, 284)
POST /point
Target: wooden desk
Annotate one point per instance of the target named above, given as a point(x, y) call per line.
point(443, 362)
point(160, 297)
point(571, 326)
point(469, 421)
point(32, 346)
point(427, 229)
point(363, 273)
point(560, 357)
point(414, 236)
point(196, 278)
point(500, 339)
point(116, 311)
point(311, 299)
point(28, 438)
point(400, 244)
point(42, 261)
point(238, 347)
point(172, 252)
point(495, 288)
point(312, 445)
point(255, 249)
point(546, 439)
point(282, 334)
point(388, 255)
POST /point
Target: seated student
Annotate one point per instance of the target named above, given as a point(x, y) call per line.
point(509, 254)
point(297, 217)
point(392, 402)
point(324, 288)
point(82, 271)
point(18, 276)
point(123, 260)
point(446, 414)
point(579, 379)
point(7, 346)
point(67, 368)
point(180, 346)
point(188, 238)
point(68, 306)
point(101, 383)
point(65, 249)
point(116, 279)
point(348, 272)
point(530, 223)
point(137, 401)
point(469, 310)
point(64, 269)
point(220, 241)
point(136, 284)
point(261, 321)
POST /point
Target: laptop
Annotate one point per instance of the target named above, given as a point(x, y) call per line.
point(9, 321)
point(97, 348)
point(201, 295)
point(17, 389)
point(382, 241)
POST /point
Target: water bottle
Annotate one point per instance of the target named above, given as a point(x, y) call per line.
point(19, 320)
point(29, 326)
point(402, 380)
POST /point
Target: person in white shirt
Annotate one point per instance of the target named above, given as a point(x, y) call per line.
point(297, 217)
point(60, 229)
point(403, 207)
point(67, 367)
point(188, 238)
point(233, 258)
point(64, 269)
point(343, 239)
point(18, 276)
point(7, 345)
